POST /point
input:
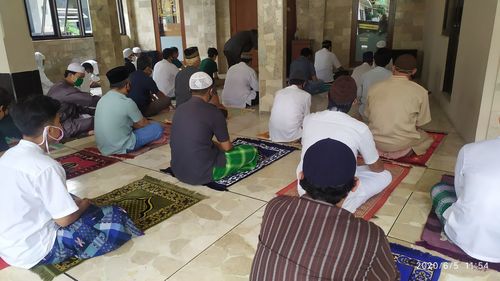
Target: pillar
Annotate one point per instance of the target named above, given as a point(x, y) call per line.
point(272, 49)
point(18, 72)
point(107, 38)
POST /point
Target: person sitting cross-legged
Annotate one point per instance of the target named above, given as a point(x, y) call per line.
point(290, 107)
point(41, 222)
point(119, 125)
point(144, 92)
point(196, 159)
point(396, 109)
point(468, 210)
point(312, 237)
point(336, 124)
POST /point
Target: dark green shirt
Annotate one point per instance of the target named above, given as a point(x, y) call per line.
point(209, 66)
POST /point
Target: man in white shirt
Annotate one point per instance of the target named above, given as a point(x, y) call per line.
point(164, 73)
point(336, 124)
point(366, 66)
point(290, 107)
point(325, 62)
point(40, 219)
point(377, 74)
point(242, 86)
point(469, 209)
point(90, 80)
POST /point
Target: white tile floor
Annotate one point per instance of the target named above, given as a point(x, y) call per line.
point(216, 239)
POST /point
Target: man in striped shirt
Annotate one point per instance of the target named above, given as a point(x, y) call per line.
point(312, 237)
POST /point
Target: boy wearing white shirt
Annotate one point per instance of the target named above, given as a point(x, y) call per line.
point(41, 222)
point(325, 61)
point(290, 107)
point(336, 124)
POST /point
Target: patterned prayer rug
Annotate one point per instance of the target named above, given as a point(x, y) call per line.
point(265, 136)
point(131, 155)
point(148, 202)
point(421, 160)
point(416, 265)
point(83, 162)
point(370, 207)
point(268, 153)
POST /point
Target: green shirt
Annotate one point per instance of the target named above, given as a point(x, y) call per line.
point(114, 116)
point(209, 66)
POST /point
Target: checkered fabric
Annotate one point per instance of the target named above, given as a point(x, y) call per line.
point(239, 159)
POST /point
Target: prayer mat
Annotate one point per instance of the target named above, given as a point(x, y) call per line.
point(370, 207)
point(148, 202)
point(421, 160)
point(434, 238)
point(269, 152)
point(3, 264)
point(265, 136)
point(416, 265)
point(131, 155)
point(83, 162)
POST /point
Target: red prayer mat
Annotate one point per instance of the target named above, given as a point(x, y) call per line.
point(83, 162)
point(370, 207)
point(3, 264)
point(131, 155)
point(421, 160)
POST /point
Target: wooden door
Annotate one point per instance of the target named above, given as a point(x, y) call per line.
point(244, 17)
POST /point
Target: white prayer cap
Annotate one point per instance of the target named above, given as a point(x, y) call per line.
point(127, 52)
point(75, 67)
point(137, 50)
point(39, 56)
point(200, 81)
point(381, 44)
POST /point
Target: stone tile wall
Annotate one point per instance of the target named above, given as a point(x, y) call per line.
point(142, 24)
point(271, 50)
point(59, 53)
point(200, 24)
point(409, 24)
point(338, 28)
point(223, 23)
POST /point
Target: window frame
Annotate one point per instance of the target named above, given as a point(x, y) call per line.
point(121, 17)
point(55, 23)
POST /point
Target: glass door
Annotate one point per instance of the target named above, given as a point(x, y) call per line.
point(373, 22)
point(170, 25)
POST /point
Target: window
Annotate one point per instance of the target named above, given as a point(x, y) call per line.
point(121, 17)
point(50, 19)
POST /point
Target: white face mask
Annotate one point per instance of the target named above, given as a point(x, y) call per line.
point(46, 137)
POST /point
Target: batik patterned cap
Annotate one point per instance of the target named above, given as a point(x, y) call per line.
point(200, 81)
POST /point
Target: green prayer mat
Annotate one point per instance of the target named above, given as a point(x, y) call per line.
point(148, 202)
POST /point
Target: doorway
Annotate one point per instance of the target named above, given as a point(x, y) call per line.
point(372, 21)
point(451, 27)
point(169, 25)
point(243, 15)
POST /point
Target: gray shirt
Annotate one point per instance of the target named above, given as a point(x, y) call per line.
point(194, 155)
point(64, 92)
point(305, 65)
point(182, 91)
point(242, 41)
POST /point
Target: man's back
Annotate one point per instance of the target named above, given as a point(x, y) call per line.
point(367, 80)
point(304, 65)
point(324, 62)
point(290, 107)
point(395, 108)
point(359, 71)
point(241, 81)
point(182, 91)
point(164, 75)
point(304, 239)
point(193, 153)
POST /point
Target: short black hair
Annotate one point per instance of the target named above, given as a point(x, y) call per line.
point(297, 82)
point(144, 62)
point(306, 52)
point(33, 114)
point(120, 84)
point(330, 194)
point(88, 67)
point(175, 50)
point(212, 52)
point(382, 57)
point(200, 92)
point(167, 53)
point(326, 44)
point(5, 98)
point(340, 107)
point(246, 60)
point(68, 72)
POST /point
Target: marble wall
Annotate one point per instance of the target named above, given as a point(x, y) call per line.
point(142, 24)
point(271, 50)
point(200, 25)
point(494, 122)
point(409, 24)
point(59, 53)
point(223, 31)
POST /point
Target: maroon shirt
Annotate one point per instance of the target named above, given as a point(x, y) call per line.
point(305, 239)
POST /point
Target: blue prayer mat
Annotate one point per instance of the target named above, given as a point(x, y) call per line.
point(415, 265)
